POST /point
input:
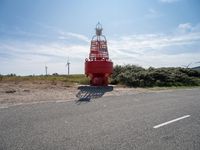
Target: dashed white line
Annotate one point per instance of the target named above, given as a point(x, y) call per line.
point(168, 122)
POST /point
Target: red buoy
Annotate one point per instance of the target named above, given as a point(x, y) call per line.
point(98, 67)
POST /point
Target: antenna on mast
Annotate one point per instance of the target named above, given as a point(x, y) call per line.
point(68, 66)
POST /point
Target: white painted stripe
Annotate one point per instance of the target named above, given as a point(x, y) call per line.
point(3, 106)
point(168, 122)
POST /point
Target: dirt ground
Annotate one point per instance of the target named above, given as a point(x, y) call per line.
point(26, 92)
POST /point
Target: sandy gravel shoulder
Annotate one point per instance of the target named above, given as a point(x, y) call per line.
point(25, 92)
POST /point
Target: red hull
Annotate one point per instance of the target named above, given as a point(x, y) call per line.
point(98, 72)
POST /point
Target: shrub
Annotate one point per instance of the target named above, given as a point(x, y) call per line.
point(1, 77)
point(135, 76)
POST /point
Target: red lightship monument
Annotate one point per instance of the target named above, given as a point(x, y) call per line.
point(98, 67)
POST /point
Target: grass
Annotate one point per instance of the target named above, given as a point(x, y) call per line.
point(70, 80)
point(54, 79)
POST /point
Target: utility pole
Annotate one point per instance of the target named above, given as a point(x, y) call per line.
point(46, 68)
point(68, 66)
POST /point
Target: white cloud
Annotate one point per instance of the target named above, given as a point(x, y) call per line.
point(185, 27)
point(62, 34)
point(157, 50)
point(152, 13)
point(29, 53)
point(141, 43)
point(78, 36)
point(30, 58)
point(67, 35)
point(188, 27)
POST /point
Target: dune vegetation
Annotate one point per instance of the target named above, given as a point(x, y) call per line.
point(127, 75)
point(135, 76)
point(52, 79)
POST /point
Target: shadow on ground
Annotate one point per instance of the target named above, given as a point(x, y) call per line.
point(86, 93)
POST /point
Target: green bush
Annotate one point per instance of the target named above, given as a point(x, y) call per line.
point(135, 76)
point(1, 77)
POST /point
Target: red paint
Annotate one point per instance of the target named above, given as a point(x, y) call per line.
point(98, 67)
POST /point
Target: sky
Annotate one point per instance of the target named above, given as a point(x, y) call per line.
point(39, 33)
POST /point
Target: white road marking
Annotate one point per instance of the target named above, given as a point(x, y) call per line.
point(3, 106)
point(168, 122)
point(31, 103)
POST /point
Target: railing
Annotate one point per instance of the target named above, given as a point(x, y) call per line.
point(98, 50)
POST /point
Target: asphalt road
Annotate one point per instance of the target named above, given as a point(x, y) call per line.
point(150, 121)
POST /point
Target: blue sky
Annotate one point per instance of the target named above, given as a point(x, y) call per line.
point(158, 33)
